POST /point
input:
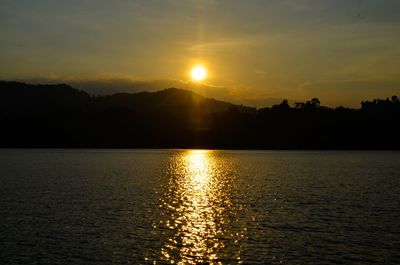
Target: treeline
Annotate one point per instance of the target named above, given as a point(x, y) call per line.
point(63, 117)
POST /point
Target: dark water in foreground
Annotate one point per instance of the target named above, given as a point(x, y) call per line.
point(188, 207)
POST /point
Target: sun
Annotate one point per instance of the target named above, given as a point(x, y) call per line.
point(198, 73)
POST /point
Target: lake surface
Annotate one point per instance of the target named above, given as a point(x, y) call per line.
point(194, 206)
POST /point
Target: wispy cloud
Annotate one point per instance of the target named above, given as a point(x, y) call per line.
point(221, 44)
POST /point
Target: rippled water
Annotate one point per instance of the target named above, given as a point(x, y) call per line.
point(194, 206)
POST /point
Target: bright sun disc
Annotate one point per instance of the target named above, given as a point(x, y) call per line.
point(199, 73)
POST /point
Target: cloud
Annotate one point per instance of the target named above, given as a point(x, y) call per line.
point(227, 43)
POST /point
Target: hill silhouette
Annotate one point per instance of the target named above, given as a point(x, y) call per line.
point(64, 117)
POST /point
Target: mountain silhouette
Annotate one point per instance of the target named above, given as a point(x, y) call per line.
point(64, 117)
point(16, 94)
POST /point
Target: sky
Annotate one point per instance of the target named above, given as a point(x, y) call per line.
point(256, 52)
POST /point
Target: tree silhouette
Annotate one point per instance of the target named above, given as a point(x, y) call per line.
point(315, 102)
point(284, 105)
point(60, 116)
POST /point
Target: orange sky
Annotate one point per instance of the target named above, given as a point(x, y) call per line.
point(255, 51)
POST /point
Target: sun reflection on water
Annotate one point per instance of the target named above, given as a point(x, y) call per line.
point(196, 210)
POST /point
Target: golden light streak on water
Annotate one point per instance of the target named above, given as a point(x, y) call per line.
point(196, 208)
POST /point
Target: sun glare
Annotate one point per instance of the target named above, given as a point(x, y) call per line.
point(198, 73)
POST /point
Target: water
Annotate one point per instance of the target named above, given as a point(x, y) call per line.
point(191, 207)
